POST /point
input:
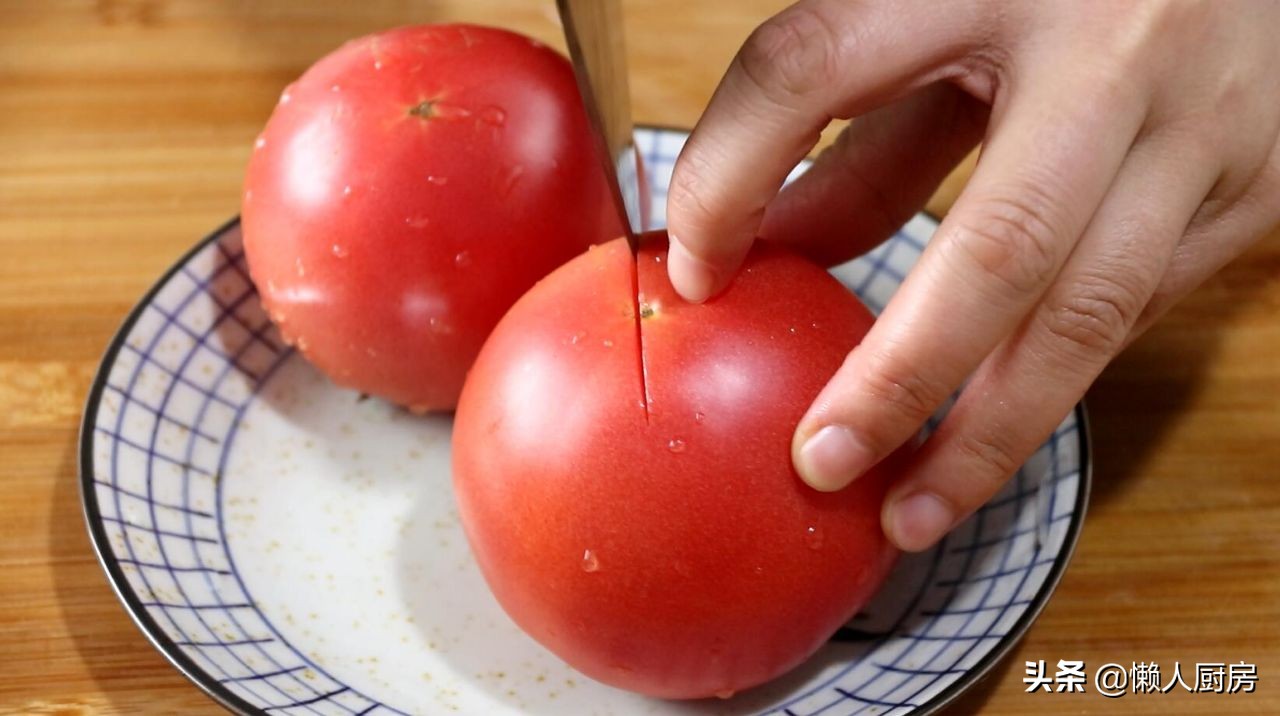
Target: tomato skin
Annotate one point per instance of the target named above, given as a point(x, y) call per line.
point(666, 545)
point(408, 188)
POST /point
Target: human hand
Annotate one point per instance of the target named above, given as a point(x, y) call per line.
point(1130, 151)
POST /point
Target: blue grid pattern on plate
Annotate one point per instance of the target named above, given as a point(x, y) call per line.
point(174, 550)
point(174, 397)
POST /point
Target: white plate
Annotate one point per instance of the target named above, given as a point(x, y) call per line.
point(293, 548)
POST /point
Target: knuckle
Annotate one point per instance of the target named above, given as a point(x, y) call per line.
point(1014, 241)
point(907, 393)
point(792, 53)
point(995, 458)
point(1095, 315)
point(692, 199)
point(1237, 92)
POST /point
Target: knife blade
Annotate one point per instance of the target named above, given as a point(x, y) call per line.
point(593, 31)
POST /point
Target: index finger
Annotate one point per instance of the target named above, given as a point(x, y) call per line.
point(816, 60)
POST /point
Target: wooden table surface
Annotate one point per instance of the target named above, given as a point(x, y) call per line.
point(124, 130)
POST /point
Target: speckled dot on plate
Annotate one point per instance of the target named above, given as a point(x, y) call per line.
point(293, 548)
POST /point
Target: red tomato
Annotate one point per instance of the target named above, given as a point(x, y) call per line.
point(626, 485)
point(407, 190)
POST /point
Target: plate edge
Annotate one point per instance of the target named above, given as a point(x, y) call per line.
point(982, 670)
point(92, 512)
point(226, 698)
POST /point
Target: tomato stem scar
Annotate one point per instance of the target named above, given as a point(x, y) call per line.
point(424, 109)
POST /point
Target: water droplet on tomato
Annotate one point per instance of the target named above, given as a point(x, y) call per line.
point(590, 563)
point(260, 142)
point(699, 416)
point(248, 195)
point(462, 259)
point(657, 258)
point(335, 88)
point(439, 325)
point(438, 181)
point(607, 343)
point(286, 95)
point(573, 340)
point(340, 251)
point(792, 330)
point(512, 178)
point(813, 537)
point(346, 190)
point(377, 64)
point(495, 116)
point(302, 270)
point(675, 445)
point(451, 111)
point(725, 694)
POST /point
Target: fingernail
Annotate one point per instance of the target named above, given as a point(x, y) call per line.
point(917, 522)
point(832, 458)
point(693, 278)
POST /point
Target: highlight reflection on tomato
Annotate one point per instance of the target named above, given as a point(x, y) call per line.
point(407, 190)
point(624, 476)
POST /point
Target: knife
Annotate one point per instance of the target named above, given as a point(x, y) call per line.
point(593, 32)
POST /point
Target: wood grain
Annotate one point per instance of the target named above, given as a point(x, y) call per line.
point(124, 129)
